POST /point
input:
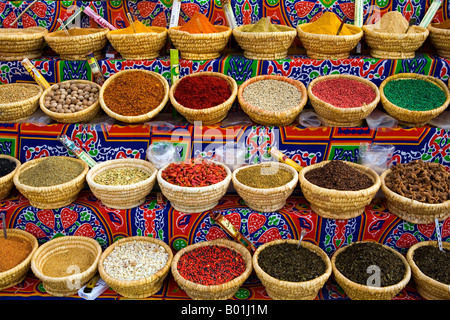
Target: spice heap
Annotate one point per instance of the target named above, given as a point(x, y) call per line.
point(263, 176)
point(211, 265)
point(427, 182)
point(328, 24)
point(12, 252)
point(272, 95)
point(285, 262)
point(71, 96)
point(75, 32)
point(135, 260)
point(263, 25)
point(198, 24)
point(442, 25)
point(414, 94)
point(16, 93)
point(57, 264)
point(134, 93)
point(50, 172)
point(338, 175)
point(202, 92)
point(355, 260)
point(393, 22)
point(121, 176)
point(344, 92)
point(138, 26)
point(6, 166)
point(194, 173)
point(433, 263)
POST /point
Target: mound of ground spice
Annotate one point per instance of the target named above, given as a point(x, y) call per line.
point(12, 252)
point(263, 177)
point(433, 263)
point(58, 264)
point(199, 23)
point(338, 175)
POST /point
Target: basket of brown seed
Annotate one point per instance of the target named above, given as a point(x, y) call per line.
point(18, 101)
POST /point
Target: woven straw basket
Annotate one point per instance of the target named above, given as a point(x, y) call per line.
point(392, 45)
point(338, 204)
point(265, 45)
point(194, 199)
point(68, 285)
point(136, 289)
point(76, 47)
point(7, 181)
point(214, 292)
point(356, 291)
point(208, 116)
point(287, 290)
point(200, 46)
point(408, 117)
point(411, 210)
point(266, 200)
point(325, 46)
point(427, 287)
point(52, 197)
point(21, 43)
point(124, 196)
point(342, 117)
point(139, 46)
point(84, 115)
point(20, 110)
point(440, 38)
point(16, 275)
point(140, 118)
point(272, 118)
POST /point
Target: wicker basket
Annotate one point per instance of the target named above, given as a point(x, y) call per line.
point(20, 110)
point(140, 118)
point(139, 46)
point(392, 45)
point(287, 290)
point(69, 285)
point(266, 200)
point(52, 197)
point(20, 43)
point(76, 47)
point(84, 115)
point(427, 287)
point(194, 199)
point(342, 117)
point(200, 46)
point(338, 204)
point(124, 196)
point(325, 46)
point(440, 38)
point(356, 291)
point(214, 292)
point(208, 116)
point(413, 118)
point(16, 275)
point(265, 45)
point(141, 288)
point(272, 118)
point(7, 181)
point(411, 210)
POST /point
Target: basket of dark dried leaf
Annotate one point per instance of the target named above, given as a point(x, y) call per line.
point(8, 168)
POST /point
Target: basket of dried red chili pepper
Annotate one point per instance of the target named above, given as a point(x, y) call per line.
point(195, 185)
point(204, 96)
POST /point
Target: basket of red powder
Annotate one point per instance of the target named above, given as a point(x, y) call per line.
point(343, 100)
point(204, 96)
point(16, 252)
point(212, 270)
point(194, 186)
point(8, 168)
point(134, 96)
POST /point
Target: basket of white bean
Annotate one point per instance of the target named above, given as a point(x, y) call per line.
point(71, 101)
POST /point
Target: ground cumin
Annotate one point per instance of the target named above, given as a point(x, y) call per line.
point(63, 264)
point(12, 252)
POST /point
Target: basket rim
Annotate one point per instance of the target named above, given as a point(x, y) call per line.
point(20, 103)
point(439, 31)
point(12, 173)
point(226, 32)
point(54, 36)
point(27, 260)
point(17, 34)
point(368, 30)
point(290, 32)
point(330, 37)
point(162, 32)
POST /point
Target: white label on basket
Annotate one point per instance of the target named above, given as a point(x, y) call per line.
point(374, 280)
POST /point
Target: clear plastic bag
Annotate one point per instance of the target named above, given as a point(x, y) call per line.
point(441, 121)
point(161, 153)
point(376, 156)
point(308, 118)
point(379, 119)
point(231, 154)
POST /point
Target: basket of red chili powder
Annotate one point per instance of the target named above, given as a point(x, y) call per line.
point(194, 186)
point(343, 100)
point(212, 270)
point(204, 96)
point(8, 168)
point(134, 96)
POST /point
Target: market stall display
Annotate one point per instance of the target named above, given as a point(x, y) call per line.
point(21, 43)
point(8, 168)
point(18, 101)
point(440, 37)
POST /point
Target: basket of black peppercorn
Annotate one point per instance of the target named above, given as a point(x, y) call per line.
point(8, 167)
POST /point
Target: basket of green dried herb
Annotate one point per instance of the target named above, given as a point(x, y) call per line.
point(51, 182)
point(122, 183)
point(338, 189)
point(18, 101)
point(289, 272)
point(266, 186)
point(8, 168)
point(368, 270)
point(414, 99)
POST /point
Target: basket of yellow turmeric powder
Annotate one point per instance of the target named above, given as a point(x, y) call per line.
point(138, 41)
point(322, 41)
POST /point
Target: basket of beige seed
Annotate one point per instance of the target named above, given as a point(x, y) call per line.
point(18, 101)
